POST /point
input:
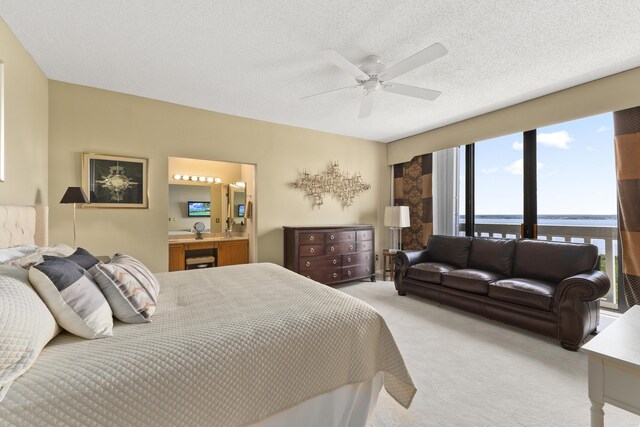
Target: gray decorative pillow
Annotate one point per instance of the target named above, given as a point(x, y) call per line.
point(26, 325)
point(131, 289)
point(73, 298)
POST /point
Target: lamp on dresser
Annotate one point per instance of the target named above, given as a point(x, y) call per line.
point(396, 218)
point(74, 195)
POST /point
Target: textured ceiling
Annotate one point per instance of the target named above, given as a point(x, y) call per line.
point(255, 58)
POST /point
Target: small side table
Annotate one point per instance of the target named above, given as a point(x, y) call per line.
point(391, 256)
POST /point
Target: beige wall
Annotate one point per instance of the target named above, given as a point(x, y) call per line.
point(83, 119)
point(26, 125)
point(611, 93)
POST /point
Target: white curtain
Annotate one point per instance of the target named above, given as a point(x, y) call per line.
point(445, 191)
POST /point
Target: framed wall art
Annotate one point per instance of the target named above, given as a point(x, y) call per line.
point(114, 181)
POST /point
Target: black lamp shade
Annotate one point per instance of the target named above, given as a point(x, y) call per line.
point(74, 195)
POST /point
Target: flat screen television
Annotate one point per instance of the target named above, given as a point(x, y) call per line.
point(240, 211)
point(199, 209)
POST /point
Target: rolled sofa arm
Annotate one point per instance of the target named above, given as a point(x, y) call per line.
point(405, 260)
point(576, 303)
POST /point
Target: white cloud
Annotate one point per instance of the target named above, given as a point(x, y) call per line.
point(603, 129)
point(556, 139)
point(517, 145)
point(517, 167)
point(489, 170)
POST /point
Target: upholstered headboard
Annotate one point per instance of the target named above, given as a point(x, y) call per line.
point(23, 225)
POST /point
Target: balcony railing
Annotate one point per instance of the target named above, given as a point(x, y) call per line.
point(606, 238)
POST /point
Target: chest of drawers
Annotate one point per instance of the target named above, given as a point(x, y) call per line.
point(331, 254)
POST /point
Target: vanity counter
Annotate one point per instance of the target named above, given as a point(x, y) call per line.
point(206, 237)
point(226, 250)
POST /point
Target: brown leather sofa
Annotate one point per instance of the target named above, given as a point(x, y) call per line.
point(550, 288)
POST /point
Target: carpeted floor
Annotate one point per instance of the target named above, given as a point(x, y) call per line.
point(470, 371)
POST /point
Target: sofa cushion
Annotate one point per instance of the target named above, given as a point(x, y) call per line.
point(491, 254)
point(528, 292)
point(452, 250)
point(470, 280)
point(429, 271)
point(552, 261)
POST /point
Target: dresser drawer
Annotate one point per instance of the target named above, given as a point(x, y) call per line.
point(311, 238)
point(364, 246)
point(357, 271)
point(364, 235)
point(317, 262)
point(324, 276)
point(311, 250)
point(340, 248)
point(340, 236)
point(357, 258)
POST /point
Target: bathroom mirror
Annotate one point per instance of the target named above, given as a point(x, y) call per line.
point(236, 205)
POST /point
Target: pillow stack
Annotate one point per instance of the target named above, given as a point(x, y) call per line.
point(84, 294)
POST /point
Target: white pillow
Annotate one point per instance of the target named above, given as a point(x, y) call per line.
point(73, 298)
point(26, 325)
point(9, 254)
point(35, 257)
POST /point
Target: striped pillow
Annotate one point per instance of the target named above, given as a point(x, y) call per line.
point(131, 289)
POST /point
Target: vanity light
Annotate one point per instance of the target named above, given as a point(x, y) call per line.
point(218, 180)
point(240, 184)
point(209, 179)
point(194, 178)
point(177, 176)
point(202, 179)
point(186, 177)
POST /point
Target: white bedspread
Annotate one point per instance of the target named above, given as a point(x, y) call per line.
point(227, 347)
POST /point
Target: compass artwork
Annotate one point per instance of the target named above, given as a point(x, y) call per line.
point(114, 181)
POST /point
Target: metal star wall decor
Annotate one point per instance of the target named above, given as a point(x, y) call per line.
point(341, 185)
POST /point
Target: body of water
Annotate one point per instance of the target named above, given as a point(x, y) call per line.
point(564, 220)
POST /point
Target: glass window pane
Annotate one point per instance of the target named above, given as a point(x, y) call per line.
point(577, 186)
point(461, 189)
point(498, 186)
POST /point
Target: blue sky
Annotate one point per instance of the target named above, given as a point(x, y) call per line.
point(576, 170)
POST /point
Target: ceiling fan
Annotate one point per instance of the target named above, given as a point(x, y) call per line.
point(373, 75)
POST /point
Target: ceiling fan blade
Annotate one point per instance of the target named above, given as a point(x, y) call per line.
point(341, 62)
point(329, 91)
point(425, 56)
point(366, 104)
point(416, 92)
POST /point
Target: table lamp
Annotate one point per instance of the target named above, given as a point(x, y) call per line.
point(74, 195)
point(396, 218)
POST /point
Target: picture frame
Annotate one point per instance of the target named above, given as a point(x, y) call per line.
point(115, 181)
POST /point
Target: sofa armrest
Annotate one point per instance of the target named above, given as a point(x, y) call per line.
point(577, 304)
point(405, 260)
point(588, 286)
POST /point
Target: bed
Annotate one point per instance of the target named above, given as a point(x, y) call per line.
point(231, 346)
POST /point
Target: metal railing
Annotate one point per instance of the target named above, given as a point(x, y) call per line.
point(606, 238)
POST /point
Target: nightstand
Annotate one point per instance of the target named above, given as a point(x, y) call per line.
point(391, 256)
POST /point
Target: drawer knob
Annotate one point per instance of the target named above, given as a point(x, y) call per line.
point(335, 274)
point(364, 235)
point(367, 268)
point(348, 273)
point(349, 236)
point(364, 245)
point(332, 249)
point(332, 237)
point(308, 277)
point(335, 261)
point(308, 264)
point(312, 238)
point(349, 259)
point(350, 246)
point(312, 250)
